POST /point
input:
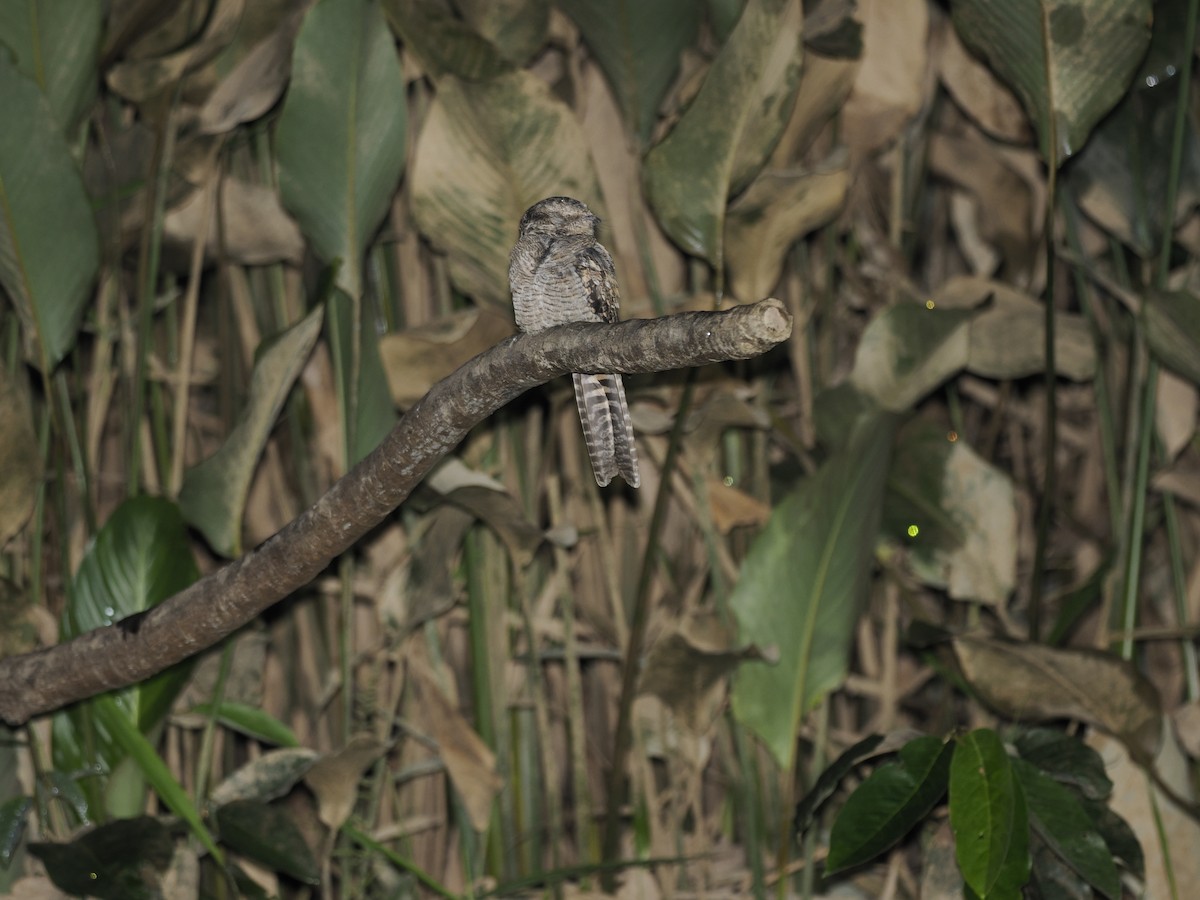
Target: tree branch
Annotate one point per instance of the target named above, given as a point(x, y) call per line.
point(218, 604)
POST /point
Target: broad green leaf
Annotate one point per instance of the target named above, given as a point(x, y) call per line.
point(1069, 61)
point(1065, 758)
point(988, 817)
point(49, 250)
point(956, 513)
point(250, 721)
point(213, 497)
point(374, 412)
point(20, 464)
point(803, 583)
point(1057, 817)
point(268, 835)
point(890, 803)
point(138, 559)
point(487, 152)
point(340, 137)
point(724, 137)
point(828, 781)
point(1172, 323)
point(908, 350)
point(638, 46)
point(56, 43)
point(1118, 836)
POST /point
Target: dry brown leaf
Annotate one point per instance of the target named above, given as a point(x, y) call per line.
point(143, 76)
point(253, 85)
point(774, 212)
point(976, 90)
point(1187, 726)
point(1033, 681)
point(334, 778)
point(732, 508)
point(1175, 405)
point(824, 85)
point(1154, 818)
point(892, 81)
point(417, 358)
point(257, 228)
point(469, 762)
point(1006, 338)
point(1180, 479)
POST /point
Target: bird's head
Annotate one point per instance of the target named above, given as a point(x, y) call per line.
point(559, 216)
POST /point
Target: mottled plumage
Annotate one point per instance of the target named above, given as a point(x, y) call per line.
point(559, 272)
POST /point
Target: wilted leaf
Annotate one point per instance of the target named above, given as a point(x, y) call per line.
point(254, 84)
point(443, 43)
point(1172, 323)
point(268, 777)
point(1036, 682)
point(686, 669)
point(775, 211)
point(972, 504)
point(469, 762)
point(517, 28)
point(334, 778)
point(20, 464)
point(144, 75)
point(732, 508)
point(802, 585)
point(214, 492)
point(908, 350)
point(637, 46)
point(257, 230)
point(1069, 61)
point(976, 89)
point(723, 138)
point(415, 359)
point(49, 249)
point(339, 141)
point(488, 151)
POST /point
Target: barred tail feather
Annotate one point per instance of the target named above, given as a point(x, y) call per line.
point(607, 430)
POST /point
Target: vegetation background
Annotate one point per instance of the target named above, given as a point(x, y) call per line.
point(238, 239)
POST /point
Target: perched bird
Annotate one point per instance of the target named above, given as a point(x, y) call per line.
point(559, 272)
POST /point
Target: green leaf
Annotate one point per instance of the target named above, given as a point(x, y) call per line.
point(49, 250)
point(250, 721)
point(14, 813)
point(988, 817)
point(637, 46)
point(1058, 818)
point(1171, 320)
point(828, 781)
point(516, 27)
point(803, 583)
point(266, 777)
point(908, 350)
point(890, 803)
point(57, 44)
point(213, 496)
point(1069, 61)
point(138, 559)
point(374, 411)
point(1066, 759)
point(340, 137)
point(724, 137)
point(268, 835)
point(1121, 840)
point(487, 151)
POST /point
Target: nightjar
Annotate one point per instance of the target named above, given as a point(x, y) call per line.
point(559, 272)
